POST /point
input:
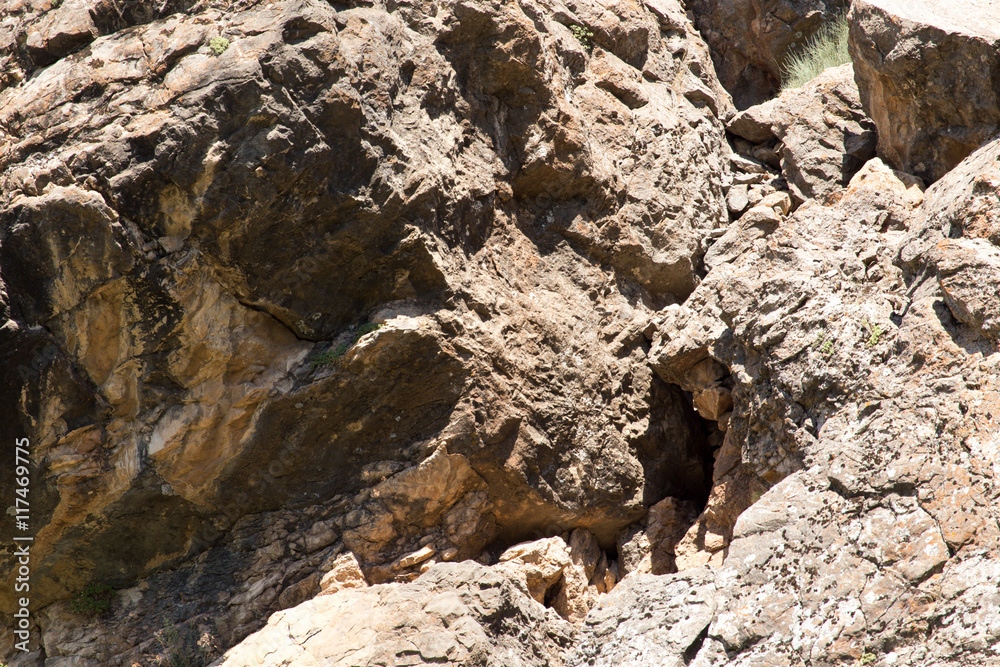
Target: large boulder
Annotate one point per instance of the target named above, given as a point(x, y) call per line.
point(396, 262)
point(929, 76)
point(454, 615)
point(752, 39)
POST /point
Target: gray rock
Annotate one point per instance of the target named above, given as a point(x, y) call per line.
point(648, 620)
point(824, 133)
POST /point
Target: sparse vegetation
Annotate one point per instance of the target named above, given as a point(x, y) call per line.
point(218, 45)
point(94, 600)
point(185, 650)
point(334, 353)
point(583, 35)
point(867, 658)
point(827, 48)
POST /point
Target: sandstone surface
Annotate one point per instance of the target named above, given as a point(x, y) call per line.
point(929, 76)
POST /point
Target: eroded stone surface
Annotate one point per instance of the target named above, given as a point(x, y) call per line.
point(913, 60)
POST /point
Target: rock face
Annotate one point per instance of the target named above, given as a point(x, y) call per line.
point(391, 265)
point(454, 332)
point(751, 39)
point(866, 399)
point(824, 135)
point(675, 613)
point(929, 76)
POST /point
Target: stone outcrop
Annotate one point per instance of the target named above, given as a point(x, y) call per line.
point(393, 263)
point(823, 133)
point(455, 332)
point(929, 76)
point(455, 614)
point(879, 526)
point(752, 39)
point(676, 611)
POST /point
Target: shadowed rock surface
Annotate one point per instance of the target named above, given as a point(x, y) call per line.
point(752, 39)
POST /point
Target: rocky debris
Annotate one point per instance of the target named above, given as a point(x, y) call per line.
point(455, 614)
point(675, 612)
point(649, 546)
point(751, 39)
point(442, 337)
point(565, 575)
point(823, 133)
point(928, 77)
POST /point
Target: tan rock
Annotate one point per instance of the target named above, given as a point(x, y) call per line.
point(535, 566)
point(345, 573)
point(579, 590)
point(713, 402)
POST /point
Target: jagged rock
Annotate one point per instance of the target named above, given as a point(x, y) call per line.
point(536, 566)
point(927, 73)
point(824, 133)
point(345, 573)
point(650, 546)
point(881, 506)
point(968, 271)
point(445, 617)
point(675, 611)
point(511, 216)
point(751, 39)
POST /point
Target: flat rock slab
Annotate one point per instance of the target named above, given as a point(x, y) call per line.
point(929, 76)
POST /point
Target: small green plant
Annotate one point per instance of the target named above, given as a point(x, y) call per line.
point(330, 356)
point(185, 650)
point(94, 600)
point(334, 353)
point(827, 347)
point(218, 45)
point(867, 658)
point(827, 48)
point(876, 333)
point(583, 35)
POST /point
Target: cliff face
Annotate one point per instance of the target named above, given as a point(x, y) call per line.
point(302, 299)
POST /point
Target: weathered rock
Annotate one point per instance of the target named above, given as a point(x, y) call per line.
point(751, 39)
point(345, 573)
point(824, 133)
point(929, 76)
point(675, 611)
point(880, 517)
point(536, 566)
point(446, 617)
point(511, 216)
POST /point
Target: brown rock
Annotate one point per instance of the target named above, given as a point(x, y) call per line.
point(913, 61)
point(824, 133)
point(713, 402)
